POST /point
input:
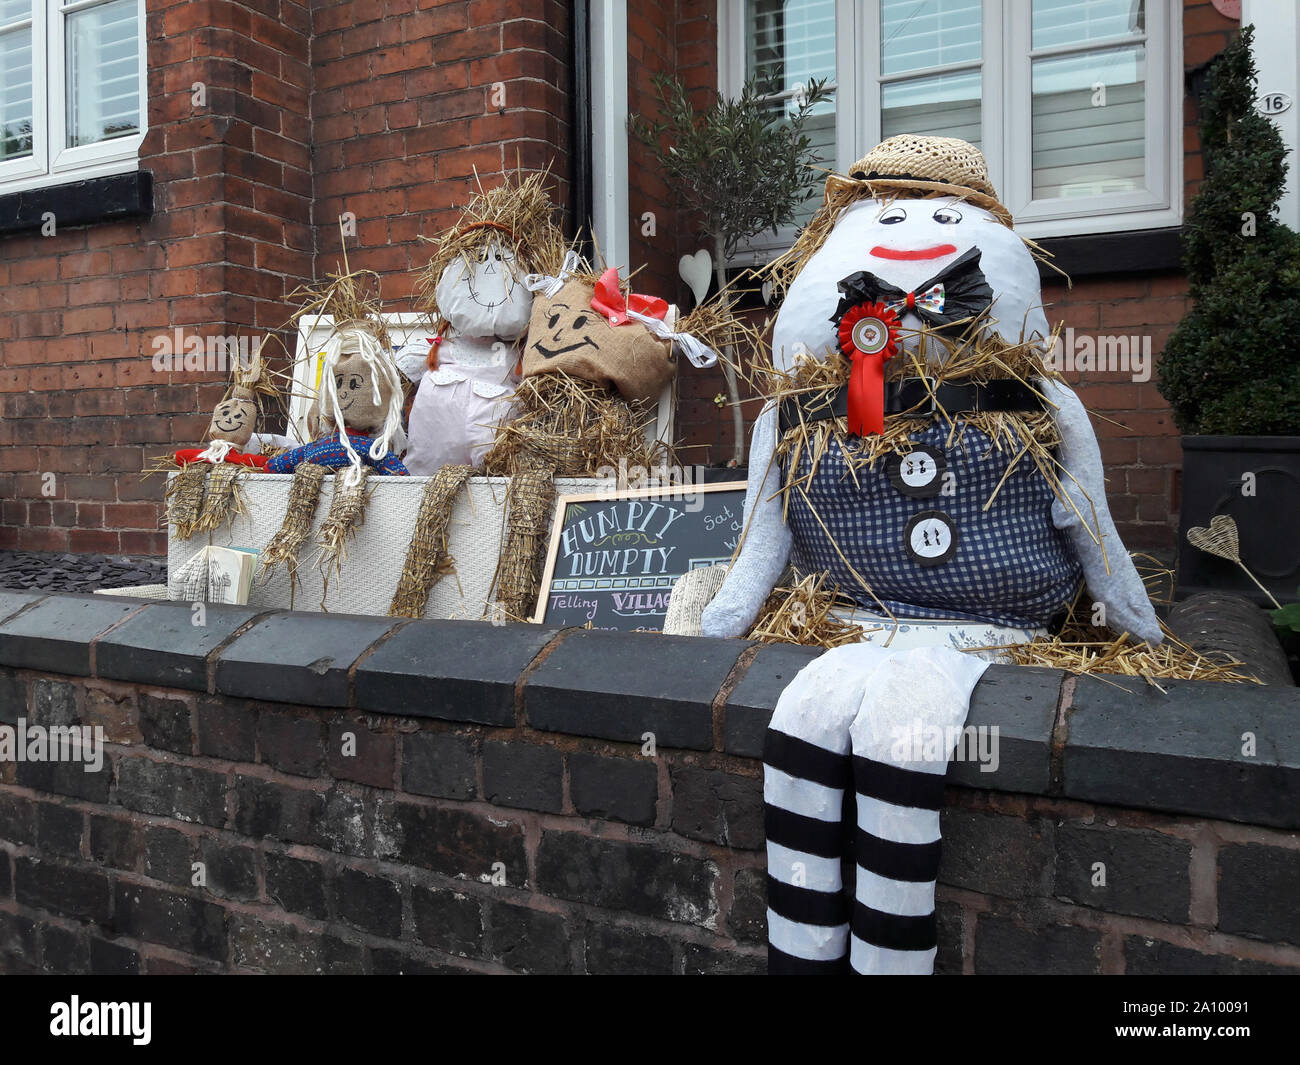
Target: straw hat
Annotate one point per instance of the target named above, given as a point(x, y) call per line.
point(912, 163)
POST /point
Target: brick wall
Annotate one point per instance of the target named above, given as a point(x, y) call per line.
point(1139, 441)
point(79, 310)
point(456, 796)
point(310, 110)
point(405, 111)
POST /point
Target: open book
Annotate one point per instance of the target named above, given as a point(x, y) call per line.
point(215, 575)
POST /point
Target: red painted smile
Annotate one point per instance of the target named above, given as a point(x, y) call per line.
point(937, 252)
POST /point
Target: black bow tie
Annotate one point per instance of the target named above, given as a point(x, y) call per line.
point(958, 291)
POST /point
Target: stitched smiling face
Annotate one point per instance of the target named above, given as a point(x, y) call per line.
point(233, 420)
point(566, 325)
point(567, 336)
point(481, 294)
point(363, 405)
point(905, 243)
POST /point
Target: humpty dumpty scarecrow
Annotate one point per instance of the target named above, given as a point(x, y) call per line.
point(951, 486)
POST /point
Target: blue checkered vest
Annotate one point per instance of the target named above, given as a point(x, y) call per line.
point(1011, 565)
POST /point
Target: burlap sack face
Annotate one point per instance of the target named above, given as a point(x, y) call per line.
point(565, 334)
point(233, 420)
point(354, 380)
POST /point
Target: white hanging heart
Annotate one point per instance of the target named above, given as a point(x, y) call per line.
point(697, 271)
point(768, 289)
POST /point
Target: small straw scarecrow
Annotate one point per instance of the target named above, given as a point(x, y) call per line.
point(205, 493)
point(356, 420)
point(356, 416)
point(917, 452)
point(473, 290)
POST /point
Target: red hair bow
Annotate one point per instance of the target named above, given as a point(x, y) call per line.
point(608, 299)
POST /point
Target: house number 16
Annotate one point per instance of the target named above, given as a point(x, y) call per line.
point(1274, 103)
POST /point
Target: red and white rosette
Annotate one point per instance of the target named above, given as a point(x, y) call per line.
point(868, 336)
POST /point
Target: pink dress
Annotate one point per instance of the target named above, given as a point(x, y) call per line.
point(460, 404)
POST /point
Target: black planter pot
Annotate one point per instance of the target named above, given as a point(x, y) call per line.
point(1268, 521)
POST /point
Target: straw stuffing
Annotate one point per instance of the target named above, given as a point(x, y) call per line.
point(223, 499)
point(573, 428)
point(802, 612)
point(347, 511)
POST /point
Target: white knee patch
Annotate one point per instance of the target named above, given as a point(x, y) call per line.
point(820, 703)
point(910, 695)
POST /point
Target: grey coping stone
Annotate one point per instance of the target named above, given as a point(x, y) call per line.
point(298, 657)
point(54, 635)
point(1131, 745)
point(621, 685)
point(163, 645)
point(750, 705)
point(1021, 703)
point(452, 670)
point(12, 600)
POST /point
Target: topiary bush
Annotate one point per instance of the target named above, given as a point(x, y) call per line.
point(1232, 366)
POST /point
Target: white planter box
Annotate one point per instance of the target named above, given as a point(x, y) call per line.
point(377, 551)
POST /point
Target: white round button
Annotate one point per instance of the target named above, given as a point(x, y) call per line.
point(931, 538)
point(917, 473)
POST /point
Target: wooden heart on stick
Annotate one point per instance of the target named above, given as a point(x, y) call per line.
point(1221, 540)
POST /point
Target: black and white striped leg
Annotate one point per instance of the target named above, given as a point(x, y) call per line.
point(807, 766)
point(899, 794)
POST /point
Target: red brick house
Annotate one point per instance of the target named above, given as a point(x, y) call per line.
point(171, 165)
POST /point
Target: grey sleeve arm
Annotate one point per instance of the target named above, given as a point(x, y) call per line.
point(1110, 574)
point(766, 549)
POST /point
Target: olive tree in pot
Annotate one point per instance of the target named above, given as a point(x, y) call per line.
point(1231, 369)
point(743, 165)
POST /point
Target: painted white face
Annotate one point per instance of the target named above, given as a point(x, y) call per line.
point(484, 297)
point(905, 243)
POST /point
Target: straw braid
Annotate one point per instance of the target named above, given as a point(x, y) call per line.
point(304, 496)
point(427, 560)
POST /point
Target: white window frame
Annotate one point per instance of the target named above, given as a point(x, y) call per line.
point(50, 163)
point(1007, 105)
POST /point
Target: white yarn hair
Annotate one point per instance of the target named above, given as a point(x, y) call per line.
point(391, 437)
point(215, 451)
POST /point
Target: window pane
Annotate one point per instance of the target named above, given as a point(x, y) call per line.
point(919, 34)
point(1066, 22)
point(788, 43)
point(103, 73)
point(1089, 124)
point(15, 88)
point(947, 105)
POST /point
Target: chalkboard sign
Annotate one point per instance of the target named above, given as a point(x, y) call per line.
point(614, 557)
